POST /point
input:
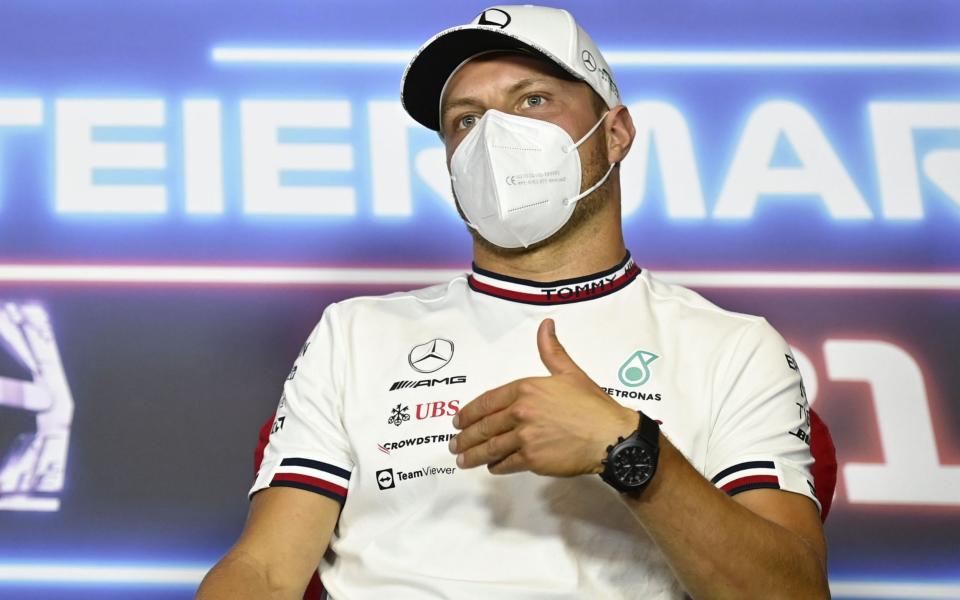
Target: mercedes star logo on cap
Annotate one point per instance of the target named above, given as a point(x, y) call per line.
point(589, 62)
point(432, 356)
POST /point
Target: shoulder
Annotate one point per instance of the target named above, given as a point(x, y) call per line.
point(677, 299)
point(723, 333)
point(404, 305)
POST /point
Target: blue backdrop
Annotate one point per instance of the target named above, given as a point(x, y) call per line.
point(184, 186)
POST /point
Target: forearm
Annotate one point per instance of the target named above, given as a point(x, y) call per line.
point(239, 577)
point(719, 548)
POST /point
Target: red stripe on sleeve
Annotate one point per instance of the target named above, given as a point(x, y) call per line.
point(320, 483)
point(749, 480)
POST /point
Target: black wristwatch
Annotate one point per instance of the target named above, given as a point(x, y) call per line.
point(632, 461)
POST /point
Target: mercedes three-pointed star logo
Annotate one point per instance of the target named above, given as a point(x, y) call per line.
point(588, 61)
point(431, 356)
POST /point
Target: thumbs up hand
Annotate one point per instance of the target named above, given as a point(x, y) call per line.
point(559, 425)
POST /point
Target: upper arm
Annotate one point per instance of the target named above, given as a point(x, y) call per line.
point(760, 429)
point(308, 447)
point(793, 512)
point(286, 534)
point(759, 448)
point(304, 475)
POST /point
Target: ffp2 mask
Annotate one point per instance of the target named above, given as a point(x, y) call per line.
point(518, 179)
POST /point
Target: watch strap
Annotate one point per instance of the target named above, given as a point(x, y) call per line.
point(649, 431)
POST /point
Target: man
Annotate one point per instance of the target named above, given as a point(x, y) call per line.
point(694, 417)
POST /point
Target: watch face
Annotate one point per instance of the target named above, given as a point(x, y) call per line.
point(633, 466)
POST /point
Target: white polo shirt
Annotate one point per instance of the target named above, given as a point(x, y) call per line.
point(366, 415)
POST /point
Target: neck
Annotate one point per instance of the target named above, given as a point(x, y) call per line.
point(593, 245)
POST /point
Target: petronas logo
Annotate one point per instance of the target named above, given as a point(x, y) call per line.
point(636, 371)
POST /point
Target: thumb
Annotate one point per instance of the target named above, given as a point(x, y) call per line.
point(552, 352)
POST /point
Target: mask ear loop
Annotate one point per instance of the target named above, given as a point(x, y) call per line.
point(603, 179)
point(590, 189)
point(577, 144)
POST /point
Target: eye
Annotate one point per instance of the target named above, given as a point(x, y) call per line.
point(534, 100)
point(467, 121)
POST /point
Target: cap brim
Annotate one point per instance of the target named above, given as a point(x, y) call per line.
point(429, 70)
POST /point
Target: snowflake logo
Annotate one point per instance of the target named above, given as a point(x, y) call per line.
point(398, 415)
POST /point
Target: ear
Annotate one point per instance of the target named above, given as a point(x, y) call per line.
point(620, 133)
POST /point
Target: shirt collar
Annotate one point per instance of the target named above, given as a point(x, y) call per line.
point(564, 291)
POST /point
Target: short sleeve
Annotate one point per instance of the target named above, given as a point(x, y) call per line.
point(308, 446)
point(760, 435)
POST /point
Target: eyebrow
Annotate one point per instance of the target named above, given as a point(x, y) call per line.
point(470, 101)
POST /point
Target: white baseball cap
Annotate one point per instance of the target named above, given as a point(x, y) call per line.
point(550, 33)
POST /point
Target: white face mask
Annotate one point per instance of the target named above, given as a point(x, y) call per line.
point(518, 179)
